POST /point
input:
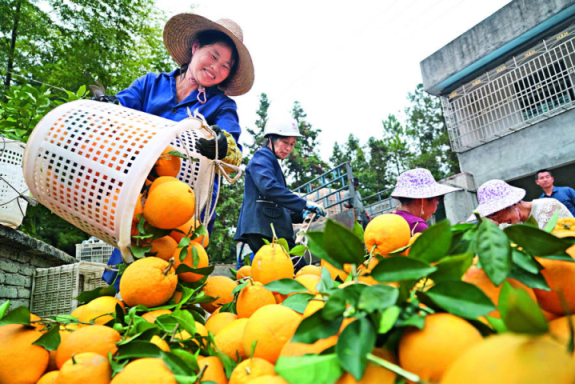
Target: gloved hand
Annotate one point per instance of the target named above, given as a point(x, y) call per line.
point(315, 207)
point(106, 99)
point(207, 147)
point(306, 213)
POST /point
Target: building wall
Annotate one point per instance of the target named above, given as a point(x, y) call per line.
point(547, 144)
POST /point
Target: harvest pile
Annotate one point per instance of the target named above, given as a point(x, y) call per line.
point(468, 303)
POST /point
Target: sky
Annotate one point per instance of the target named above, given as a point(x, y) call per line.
point(349, 63)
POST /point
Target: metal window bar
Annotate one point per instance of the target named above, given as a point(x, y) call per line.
point(526, 89)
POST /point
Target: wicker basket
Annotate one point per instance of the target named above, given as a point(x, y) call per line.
point(54, 289)
point(94, 251)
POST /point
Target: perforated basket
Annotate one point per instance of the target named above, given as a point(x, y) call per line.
point(12, 184)
point(55, 288)
point(87, 161)
point(94, 251)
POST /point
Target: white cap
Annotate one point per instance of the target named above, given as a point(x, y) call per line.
point(282, 129)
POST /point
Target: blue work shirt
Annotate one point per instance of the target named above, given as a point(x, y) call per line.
point(156, 94)
point(566, 195)
point(267, 199)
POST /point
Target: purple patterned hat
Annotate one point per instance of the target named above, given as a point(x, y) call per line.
point(419, 184)
point(495, 195)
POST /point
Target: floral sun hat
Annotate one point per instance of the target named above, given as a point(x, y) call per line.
point(495, 195)
point(419, 184)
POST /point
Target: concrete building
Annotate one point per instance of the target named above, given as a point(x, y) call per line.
point(508, 94)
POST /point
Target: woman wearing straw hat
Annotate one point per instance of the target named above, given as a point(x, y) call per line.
point(419, 195)
point(504, 205)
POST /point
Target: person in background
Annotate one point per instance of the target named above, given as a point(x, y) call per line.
point(361, 215)
point(566, 195)
point(504, 205)
point(419, 195)
point(266, 198)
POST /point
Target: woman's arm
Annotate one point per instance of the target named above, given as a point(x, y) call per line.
point(227, 119)
point(133, 96)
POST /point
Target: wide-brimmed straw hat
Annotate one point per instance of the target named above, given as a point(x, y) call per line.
point(495, 195)
point(419, 184)
point(181, 30)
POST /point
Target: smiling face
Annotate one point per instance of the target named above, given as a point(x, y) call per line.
point(211, 64)
point(283, 147)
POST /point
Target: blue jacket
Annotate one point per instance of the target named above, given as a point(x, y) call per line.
point(267, 200)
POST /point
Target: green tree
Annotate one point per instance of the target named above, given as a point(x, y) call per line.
point(337, 157)
point(257, 133)
point(395, 139)
point(304, 163)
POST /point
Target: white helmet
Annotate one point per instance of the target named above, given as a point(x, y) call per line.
point(282, 129)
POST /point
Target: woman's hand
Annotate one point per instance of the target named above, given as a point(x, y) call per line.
point(207, 147)
point(315, 207)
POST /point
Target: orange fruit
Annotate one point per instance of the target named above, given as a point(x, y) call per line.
point(279, 297)
point(49, 378)
point(510, 358)
point(478, 277)
point(271, 263)
point(20, 361)
point(272, 326)
point(203, 240)
point(87, 367)
point(93, 338)
point(170, 205)
point(428, 352)
point(268, 379)
point(214, 371)
point(333, 271)
point(559, 329)
point(229, 339)
point(159, 181)
point(313, 306)
point(139, 210)
point(149, 281)
point(167, 165)
point(151, 316)
point(251, 369)
point(374, 374)
point(217, 322)
point(146, 370)
point(65, 331)
point(160, 343)
point(245, 271)
point(309, 270)
point(386, 233)
point(164, 247)
point(203, 262)
point(411, 241)
point(177, 296)
point(100, 310)
point(220, 287)
point(78, 311)
point(252, 297)
point(299, 349)
point(560, 276)
point(310, 282)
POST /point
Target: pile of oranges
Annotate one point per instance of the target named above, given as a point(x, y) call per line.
point(238, 331)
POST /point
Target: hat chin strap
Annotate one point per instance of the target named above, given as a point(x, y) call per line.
point(273, 148)
point(202, 96)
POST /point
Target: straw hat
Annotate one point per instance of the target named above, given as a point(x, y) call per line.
point(495, 195)
point(419, 184)
point(181, 30)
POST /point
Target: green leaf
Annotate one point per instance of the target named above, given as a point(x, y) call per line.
point(239, 287)
point(4, 308)
point(184, 254)
point(20, 315)
point(326, 282)
point(140, 252)
point(298, 250)
point(433, 244)
point(519, 312)
point(459, 298)
point(138, 349)
point(176, 364)
point(81, 91)
point(315, 327)
point(284, 244)
point(178, 154)
point(400, 268)
point(337, 303)
point(525, 261)
point(452, 267)
point(183, 268)
point(494, 251)
point(87, 296)
point(309, 369)
point(186, 320)
point(298, 302)
point(550, 226)
point(497, 324)
point(184, 242)
point(49, 340)
point(342, 244)
point(529, 279)
point(536, 241)
point(247, 260)
point(316, 246)
point(285, 286)
point(531, 222)
point(195, 257)
point(358, 231)
point(387, 319)
point(377, 297)
point(355, 342)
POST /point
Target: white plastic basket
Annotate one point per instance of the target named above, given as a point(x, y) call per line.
point(55, 288)
point(87, 162)
point(12, 184)
point(94, 251)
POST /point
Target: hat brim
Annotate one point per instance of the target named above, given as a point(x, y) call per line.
point(434, 190)
point(178, 36)
point(487, 209)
